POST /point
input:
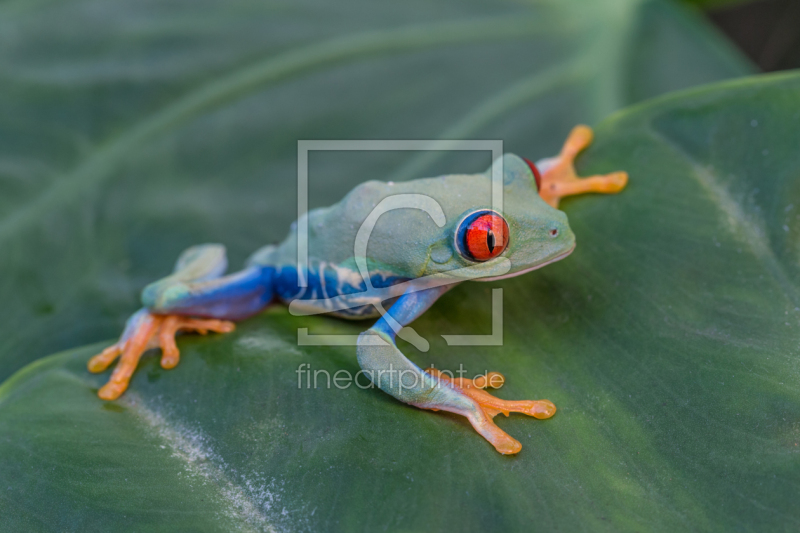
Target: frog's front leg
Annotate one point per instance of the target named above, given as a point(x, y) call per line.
point(558, 178)
point(388, 368)
point(195, 289)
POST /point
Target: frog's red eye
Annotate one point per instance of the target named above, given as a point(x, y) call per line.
point(536, 175)
point(483, 236)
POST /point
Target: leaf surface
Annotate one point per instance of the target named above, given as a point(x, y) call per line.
point(668, 341)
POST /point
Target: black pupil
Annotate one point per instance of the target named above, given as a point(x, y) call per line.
point(490, 242)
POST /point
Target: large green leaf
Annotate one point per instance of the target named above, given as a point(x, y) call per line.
point(130, 129)
point(668, 340)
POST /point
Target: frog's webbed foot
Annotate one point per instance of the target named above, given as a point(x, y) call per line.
point(490, 406)
point(558, 176)
point(147, 331)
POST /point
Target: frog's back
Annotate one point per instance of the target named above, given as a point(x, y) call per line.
point(332, 271)
point(399, 246)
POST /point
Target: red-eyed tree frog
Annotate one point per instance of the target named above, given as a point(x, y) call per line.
point(422, 237)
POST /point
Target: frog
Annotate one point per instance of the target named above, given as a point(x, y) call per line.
point(387, 251)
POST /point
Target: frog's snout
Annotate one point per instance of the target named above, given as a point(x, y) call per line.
point(558, 228)
point(560, 234)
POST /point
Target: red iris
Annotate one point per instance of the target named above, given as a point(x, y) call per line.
point(486, 237)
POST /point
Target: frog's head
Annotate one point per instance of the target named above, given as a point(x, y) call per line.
point(447, 226)
point(524, 235)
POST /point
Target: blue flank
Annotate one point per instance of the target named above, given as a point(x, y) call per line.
point(324, 283)
point(244, 293)
point(232, 297)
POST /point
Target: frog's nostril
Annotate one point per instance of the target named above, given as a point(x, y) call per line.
point(554, 232)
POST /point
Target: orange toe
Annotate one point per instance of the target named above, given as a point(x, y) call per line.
point(103, 360)
point(112, 390)
point(542, 409)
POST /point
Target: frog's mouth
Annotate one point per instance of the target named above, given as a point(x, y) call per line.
point(534, 267)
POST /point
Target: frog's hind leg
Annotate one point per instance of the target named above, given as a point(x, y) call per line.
point(195, 289)
point(388, 368)
point(559, 179)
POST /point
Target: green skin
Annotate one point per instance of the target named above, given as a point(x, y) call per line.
point(402, 231)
